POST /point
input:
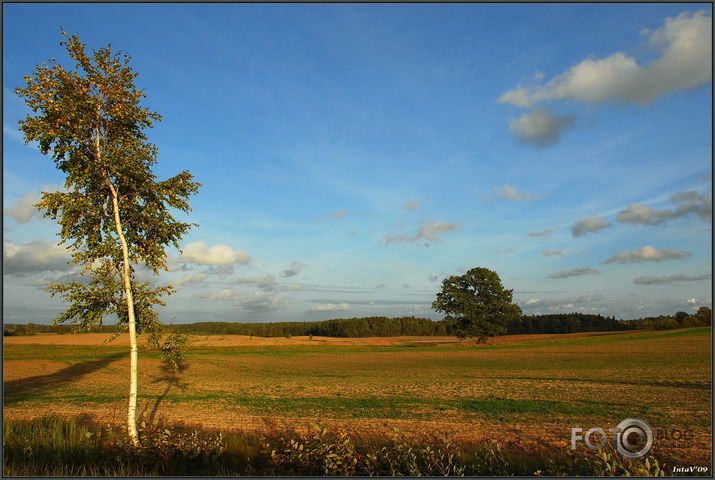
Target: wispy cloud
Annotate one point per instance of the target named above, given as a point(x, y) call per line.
point(294, 269)
point(411, 205)
point(574, 272)
point(688, 203)
point(23, 209)
point(256, 302)
point(260, 281)
point(590, 224)
point(428, 231)
point(543, 233)
point(550, 252)
point(200, 253)
point(191, 279)
point(330, 307)
point(678, 277)
point(647, 253)
point(511, 192)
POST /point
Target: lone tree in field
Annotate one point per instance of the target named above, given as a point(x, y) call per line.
point(476, 304)
point(114, 213)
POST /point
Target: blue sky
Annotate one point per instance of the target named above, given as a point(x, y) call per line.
point(352, 156)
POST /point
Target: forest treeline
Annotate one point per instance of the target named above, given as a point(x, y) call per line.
point(402, 326)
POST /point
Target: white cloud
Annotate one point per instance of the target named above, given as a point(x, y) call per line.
point(427, 231)
point(23, 209)
point(590, 224)
point(202, 254)
point(574, 272)
point(647, 253)
point(33, 257)
point(540, 127)
point(542, 233)
point(678, 277)
point(411, 206)
point(687, 203)
point(191, 279)
point(294, 269)
point(338, 214)
point(259, 281)
point(549, 252)
point(256, 302)
point(685, 62)
point(330, 307)
point(510, 192)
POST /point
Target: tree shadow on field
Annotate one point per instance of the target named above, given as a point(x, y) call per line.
point(24, 388)
point(170, 378)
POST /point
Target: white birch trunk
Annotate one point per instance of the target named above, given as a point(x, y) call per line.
point(133, 352)
point(133, 357)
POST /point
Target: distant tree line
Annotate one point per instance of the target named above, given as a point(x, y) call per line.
point(703, 317)
point(339, 327)
point(402, 326)
point(563, 323)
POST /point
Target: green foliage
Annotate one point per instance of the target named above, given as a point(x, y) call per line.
point(704, 316)
point(476, 304)
point(339, 327)
point(90, 120)
point(701, 318)
point(52, 446)
point(20, 330)
point(563, 323)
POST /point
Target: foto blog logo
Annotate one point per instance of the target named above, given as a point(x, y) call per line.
point(633, 438)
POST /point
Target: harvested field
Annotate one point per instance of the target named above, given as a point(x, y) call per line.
point(526, 390)
point(245, 340)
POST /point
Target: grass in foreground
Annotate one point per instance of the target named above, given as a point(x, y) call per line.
point(51, 446)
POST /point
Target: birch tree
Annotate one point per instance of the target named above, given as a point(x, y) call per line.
point(115, 215)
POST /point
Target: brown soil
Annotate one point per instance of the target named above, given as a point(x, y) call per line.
point(245, 340)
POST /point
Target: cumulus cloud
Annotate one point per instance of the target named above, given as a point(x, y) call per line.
point(427, 231)
point(685, 62)
point(191, 279)
point(542, 233)
point(678, 277)
point(574, 272)
point(549, 252)
point(23, 209)
point(330, 307)
point(590, 224)
point(647, 254)
point(294, 269)
point(411, 206)
point(687, 203)
point(540, 127)
point(202, 254)
point(33, 257)
point(510, 192)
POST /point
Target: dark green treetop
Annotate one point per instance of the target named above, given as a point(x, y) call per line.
point(476, 304)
